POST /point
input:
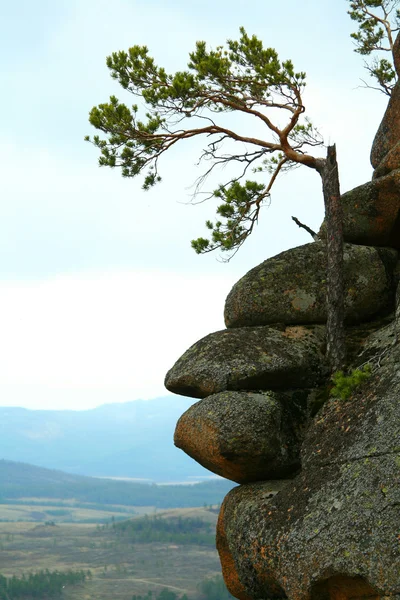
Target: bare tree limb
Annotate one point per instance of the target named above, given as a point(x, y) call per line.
point(308, 229)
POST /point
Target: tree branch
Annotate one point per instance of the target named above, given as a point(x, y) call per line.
point(310, 231)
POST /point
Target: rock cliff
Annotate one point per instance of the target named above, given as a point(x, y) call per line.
point(332, 532)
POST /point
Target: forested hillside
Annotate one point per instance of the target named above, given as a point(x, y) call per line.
point(19, 480)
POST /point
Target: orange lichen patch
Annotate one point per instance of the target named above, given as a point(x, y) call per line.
point(263, 552)
point(201, 441)
point(228, 566)
point(264, 567)
point(342, 587)
point(296, 332)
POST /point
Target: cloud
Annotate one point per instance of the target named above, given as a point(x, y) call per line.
point(99, 289)
point(108, 333)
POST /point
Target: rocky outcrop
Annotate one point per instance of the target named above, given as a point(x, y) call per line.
point(250, 358)
point(332, 532)
point(337, 522)
point(291, 287)
point(245, 436)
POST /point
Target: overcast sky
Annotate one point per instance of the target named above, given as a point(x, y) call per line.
point(100, 291)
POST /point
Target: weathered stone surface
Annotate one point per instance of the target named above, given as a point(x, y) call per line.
point(385, 153)
point(334, 530)
point(397, 301)
point(390, 162)
point(396, 55)
point(245, 436)
point(397, 322)
point(290, 288)
point(371, 212)
point(250, 358)
point(388, 134)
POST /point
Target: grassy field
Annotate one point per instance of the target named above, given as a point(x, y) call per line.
point(119, 569)
point(68, 513)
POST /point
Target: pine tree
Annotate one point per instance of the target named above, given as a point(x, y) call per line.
point(379, 21)
point(247, 79)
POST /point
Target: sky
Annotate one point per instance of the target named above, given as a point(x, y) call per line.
point(100, 291)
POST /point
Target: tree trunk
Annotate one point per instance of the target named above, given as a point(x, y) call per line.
point(335, 336)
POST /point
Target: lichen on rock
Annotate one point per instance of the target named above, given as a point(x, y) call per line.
point(245, 436)
point(332, 532)
point(290, 288)
point(340, 516)
point(250, 358)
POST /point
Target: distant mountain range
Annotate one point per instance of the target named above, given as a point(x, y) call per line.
point(133, 439)
point(26, 484)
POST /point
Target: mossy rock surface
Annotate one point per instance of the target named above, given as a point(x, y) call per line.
point(336, 525)
point(245, 436)
point(290, 288)
point(250, 358)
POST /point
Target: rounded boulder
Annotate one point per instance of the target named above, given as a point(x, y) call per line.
point(290, 288)
point(245, 436)
point(371, 213)
point(250, 358)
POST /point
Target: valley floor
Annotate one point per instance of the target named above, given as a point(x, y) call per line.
point(119, 569)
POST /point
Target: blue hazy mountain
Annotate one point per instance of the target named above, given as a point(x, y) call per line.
point(19, 481)
point(133, 439)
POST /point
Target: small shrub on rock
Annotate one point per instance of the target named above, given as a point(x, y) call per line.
point(345, 385)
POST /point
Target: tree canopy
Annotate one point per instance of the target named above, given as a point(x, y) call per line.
point(247, 79)
point(379, 21)
point(242, 77)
